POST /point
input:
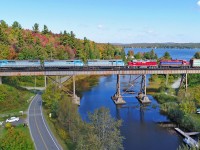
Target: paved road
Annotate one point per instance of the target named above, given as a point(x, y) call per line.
point(40, 132)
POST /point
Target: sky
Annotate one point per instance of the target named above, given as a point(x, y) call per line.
point(113, 21)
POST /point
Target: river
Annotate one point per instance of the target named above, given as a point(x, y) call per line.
point(139, 123)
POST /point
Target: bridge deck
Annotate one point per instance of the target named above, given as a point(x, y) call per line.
point(97, 72)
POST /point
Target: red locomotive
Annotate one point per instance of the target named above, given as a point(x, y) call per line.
point(143, 64)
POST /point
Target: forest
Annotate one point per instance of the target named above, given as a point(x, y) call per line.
point(24, 44)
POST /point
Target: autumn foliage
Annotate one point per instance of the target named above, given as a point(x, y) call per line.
point(19, 43)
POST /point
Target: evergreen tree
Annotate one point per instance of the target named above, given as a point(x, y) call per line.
point(45, 30)
point(16, 25)
point(3, 24)
point(86, 49)
point(197, 55)
point(4, 51)
point(3, 37)
point(20, 40)
point(166, 55)
point(72, 40)
point(36, 28)
point(64, 39)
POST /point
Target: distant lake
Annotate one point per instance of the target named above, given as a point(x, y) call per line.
point(175, 53)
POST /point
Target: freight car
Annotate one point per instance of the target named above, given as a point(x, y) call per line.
point(62, 64)
point(195, 63)
point(143, 64)
point(174, 63)
point(19, 64)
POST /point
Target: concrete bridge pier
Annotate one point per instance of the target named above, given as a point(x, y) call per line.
point(75, 98)
point(117, 98)
point(142, 97)
point(143, 84)
point(0, 80)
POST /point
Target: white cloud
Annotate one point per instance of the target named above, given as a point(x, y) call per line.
point(100, 26)
point(198, 3)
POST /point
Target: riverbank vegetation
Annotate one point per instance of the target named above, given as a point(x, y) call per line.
point(99, 132)
point(179, 105)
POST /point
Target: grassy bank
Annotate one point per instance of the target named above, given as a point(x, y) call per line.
point(180, 106)
point(13, 100)
point(17, 137)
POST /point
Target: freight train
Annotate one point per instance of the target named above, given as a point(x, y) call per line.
point(101, 64)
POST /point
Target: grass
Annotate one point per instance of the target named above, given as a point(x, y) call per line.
point(54, 131)
point(20, 128)
point(154, 85)
point(16, 112)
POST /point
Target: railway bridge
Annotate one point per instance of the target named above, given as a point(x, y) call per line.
point(117, 98)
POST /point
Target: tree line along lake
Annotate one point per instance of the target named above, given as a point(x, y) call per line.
point(139, 126)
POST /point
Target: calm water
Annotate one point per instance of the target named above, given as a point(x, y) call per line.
point(175, 53)
point(139, 123)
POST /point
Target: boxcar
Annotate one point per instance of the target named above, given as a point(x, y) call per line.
point(195, 63)
point(174, 63)
point(105, 63)
point(20, 64)
point(62, 63)
point(143, 64)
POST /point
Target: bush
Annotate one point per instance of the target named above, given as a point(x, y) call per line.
point(8, 125)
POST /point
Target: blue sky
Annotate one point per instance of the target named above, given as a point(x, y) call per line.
point(114, 21)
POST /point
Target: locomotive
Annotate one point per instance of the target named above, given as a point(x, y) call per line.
point(101, 64)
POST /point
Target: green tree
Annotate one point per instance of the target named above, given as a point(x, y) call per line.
point(16, 25)
point(20, 40)
point(3, 37)
point(197, 55)
point(45, 30)
point(4, 51)
point(3, 24)
point(138, 56)
point(64, 38)
point(36, 28)
point(15, 139)
point(72, 40)
point(87, 50)
point(166, 55)
point(106, 129)
point(50, 96)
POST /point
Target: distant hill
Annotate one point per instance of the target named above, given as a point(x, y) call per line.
point(161, 45)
